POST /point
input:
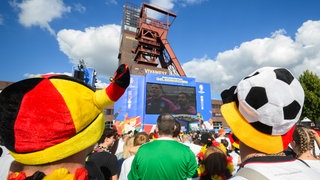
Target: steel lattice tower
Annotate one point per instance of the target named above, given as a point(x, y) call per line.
point(144, 45)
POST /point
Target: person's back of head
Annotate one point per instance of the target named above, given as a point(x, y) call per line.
point(129, 143)
point(140, 138)
point(216, 163)
point(303, 140)
point(165, 124)
point(197, 142)
point(107, 133)
point(206, 139)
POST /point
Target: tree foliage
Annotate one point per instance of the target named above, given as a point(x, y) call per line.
point(311, 86)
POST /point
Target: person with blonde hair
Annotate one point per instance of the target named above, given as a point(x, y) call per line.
point(139, 139)
point(303, 145)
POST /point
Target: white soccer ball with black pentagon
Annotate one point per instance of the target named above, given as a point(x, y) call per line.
point(271, 100)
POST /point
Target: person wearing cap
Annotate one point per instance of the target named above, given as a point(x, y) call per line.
point(262, 111)
point(50, 123)
point(164, 158)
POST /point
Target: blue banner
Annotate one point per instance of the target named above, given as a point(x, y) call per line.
point(204, 100)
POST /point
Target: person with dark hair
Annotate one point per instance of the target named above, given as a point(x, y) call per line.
point(225, 143)
point(176, 132)
point(51, 122)
point(215, 164)
point(206, 138)
point(103, 158)
point(164, 158)
point(156, 103)
point(183, 105)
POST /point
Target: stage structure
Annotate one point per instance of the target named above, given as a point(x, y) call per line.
point(86, 74)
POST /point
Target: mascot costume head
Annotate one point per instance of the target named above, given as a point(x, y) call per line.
point(49, 118)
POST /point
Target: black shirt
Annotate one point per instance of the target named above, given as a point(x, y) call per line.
point(107, 162)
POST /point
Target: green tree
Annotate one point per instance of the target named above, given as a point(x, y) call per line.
point(311, 85)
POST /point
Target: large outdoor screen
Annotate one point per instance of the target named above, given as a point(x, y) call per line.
point(173, 99)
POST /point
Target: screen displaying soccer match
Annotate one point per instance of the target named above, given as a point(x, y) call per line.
point(173, 99)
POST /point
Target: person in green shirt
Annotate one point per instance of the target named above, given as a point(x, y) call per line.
point(164, 158)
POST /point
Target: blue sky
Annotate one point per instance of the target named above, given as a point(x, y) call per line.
point(216, 41)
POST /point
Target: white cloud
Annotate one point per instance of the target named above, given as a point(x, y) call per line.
point(28, 75)
point(230, 66)
point(193, 1)
point(99, 84)
point(40, 12)
point(97, 46)
point(185, 3)
point(163, 4)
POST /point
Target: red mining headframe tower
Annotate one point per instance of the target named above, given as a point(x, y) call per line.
point(144, 45)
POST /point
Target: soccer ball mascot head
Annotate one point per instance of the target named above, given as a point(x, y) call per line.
point(263, 108)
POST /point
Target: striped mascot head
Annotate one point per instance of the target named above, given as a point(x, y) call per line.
point(49, 118)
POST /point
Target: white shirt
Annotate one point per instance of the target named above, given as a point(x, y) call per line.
point(235, 158)
point(5, 162)
point(194, 147)
point(120, 147)
point(314, 164)
point(208, 125)
point(125, 168)
point(293, 170)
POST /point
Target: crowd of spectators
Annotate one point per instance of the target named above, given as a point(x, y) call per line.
point(79, 146)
